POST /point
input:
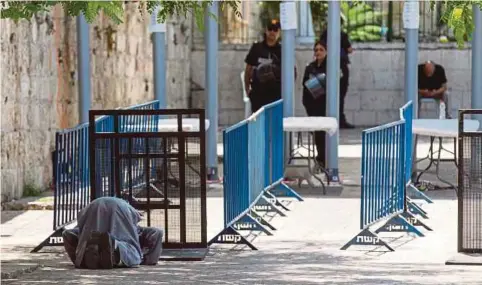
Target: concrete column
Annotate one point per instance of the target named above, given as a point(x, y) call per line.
point(476, 99)
point(83, 58)
point(158, 31)
point(211, 43)
point(333, 84)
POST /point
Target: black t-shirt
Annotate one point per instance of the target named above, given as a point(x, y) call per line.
point(344, 45)
point(433, 82)
point(261, 53)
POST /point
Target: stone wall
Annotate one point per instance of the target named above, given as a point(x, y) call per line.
point(39, 92)
point(376, 80)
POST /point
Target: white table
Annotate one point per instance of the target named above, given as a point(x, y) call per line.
point(439, 128)
point(171, 125)
point(308, 125)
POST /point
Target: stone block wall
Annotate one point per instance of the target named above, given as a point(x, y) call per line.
point(39, 90)
point(376, 80)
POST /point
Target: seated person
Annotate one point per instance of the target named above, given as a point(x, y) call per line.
point(107, 236)
point(432, 83)
point(314, 94)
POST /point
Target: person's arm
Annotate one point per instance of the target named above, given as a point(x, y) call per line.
point(422, 91)
point(251, 62)
point(346, 44)
point(248, 73)
point(438, 93)
point(306, 77)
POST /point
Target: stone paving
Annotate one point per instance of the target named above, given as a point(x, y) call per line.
point(304, 249)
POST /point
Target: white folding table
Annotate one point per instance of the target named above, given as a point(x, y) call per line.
point(300, 126)
point(438, 128)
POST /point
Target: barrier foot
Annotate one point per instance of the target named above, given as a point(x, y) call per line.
point(265, 205)
point(262, 221)
point(366, 237)
point(283, 190)
point(55, 239)
point(230, 236)
point(415, 221)
point(248, 223)
point(419, 194)
point(415, 209)
point(399, 224)
point(275, 201)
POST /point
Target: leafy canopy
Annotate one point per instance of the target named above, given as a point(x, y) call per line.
point(17, 10)
point(457, 14)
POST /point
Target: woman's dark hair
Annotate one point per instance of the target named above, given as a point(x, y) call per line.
point(321, 43)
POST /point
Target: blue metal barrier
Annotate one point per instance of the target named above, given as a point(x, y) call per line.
point(406, 113)
point(383, 176)
point(275, 148)
point(71, 175)
point(253, 167)
point(236, 177)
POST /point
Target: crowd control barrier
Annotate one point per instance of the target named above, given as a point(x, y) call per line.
point(406, 113)
point(71, 178)
point(253, 175)
point(383, 185)
point(155, 160)
point(469, 190)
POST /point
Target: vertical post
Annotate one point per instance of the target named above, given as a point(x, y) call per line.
point(476, 99)
point(211, 43)
point(158, 31)
point(390, 22)
point(83, 48)
point(288, 27)
point(306, 32)
point(411, 24)
point(333, 84)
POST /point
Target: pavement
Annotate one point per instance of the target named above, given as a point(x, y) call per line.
point(305, 249)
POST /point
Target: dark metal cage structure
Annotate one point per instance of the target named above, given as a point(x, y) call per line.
point(469, 186)
point(156, 161)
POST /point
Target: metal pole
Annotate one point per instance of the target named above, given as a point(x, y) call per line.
point(306, 32)
point(288, 37)
point(411, 23)
point(211, 40)
point(411, 20)
point(83, 47)
point(333, 84)
point(158, 31)
point(476, 100)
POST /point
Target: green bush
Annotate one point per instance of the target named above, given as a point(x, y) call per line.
point(31, 190)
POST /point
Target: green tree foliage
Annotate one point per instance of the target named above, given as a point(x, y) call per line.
point(456, 14)
point(17, 10)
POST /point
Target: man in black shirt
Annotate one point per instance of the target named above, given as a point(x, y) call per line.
point(432, 83)
point(346, 49)
point(262, 76)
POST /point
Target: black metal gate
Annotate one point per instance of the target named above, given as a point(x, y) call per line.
point(156, 161)
point(469, 186)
